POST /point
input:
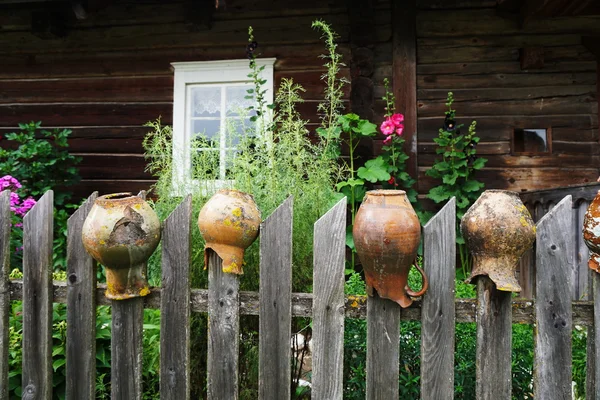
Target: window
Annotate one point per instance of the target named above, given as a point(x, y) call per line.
point(531, 141)
point(209, 99)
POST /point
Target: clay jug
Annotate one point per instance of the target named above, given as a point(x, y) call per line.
point(386, 236)
point(229, 223)
point(121, 232)
point(591, 232)
point(498, 229)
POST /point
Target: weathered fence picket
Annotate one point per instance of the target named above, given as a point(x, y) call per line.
point(175, 304)
point(557, 265)
point(37, 299)
point(127, 346)
point(5, 222)
point(275, 315)
point(81, 310)
point(328, 303)
point(438, 311)
point(223, 331)
point(554, 317)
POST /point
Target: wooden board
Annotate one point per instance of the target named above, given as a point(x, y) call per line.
point(275, 315)
point(5, 308)
point(555, 259)
point(327, 308)
point(81, 309)
point(438, 312)
point(37, 300)
point(175, 303)
point(223, 331)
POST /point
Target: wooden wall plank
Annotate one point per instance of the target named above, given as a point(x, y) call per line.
point(554, 316)
point(37, 299)
point(405, 76)
point(81, 309)
point(438, 312)
point(5, 224)
point(593, 349)
point(494, 341)
point(383, 348)
point(175, 303)
point(582, 289)
point(493, 79)
point(275, 315)
point(127, 346)
point(510, 161)
point(223, 331)
point(328, 305)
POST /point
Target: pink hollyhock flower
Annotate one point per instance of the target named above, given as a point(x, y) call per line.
point(397, 119)
point(387, 140)
point(387, 127)
point(399, 130)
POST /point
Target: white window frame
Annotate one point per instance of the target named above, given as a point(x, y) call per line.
point(206, 72)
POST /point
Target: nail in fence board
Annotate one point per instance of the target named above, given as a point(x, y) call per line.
point(328, 304)
point(37, 299)
point(275, 304)
point(175, 304)
point(438, 311)
point(126, 346)
point(494, 341)
point(554, 317)
point(223, 331)
point(81, 310)
point(5, 222)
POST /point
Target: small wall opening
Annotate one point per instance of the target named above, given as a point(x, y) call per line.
point(531, 141)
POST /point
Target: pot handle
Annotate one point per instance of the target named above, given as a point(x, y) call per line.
point(410, 292)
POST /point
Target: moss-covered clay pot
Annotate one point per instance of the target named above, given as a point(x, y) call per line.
point(229, 223)
point(591, 232)
point(498, 229)
point(386, 234)
point(121, 232)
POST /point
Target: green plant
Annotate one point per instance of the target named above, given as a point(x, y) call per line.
point(456, 169)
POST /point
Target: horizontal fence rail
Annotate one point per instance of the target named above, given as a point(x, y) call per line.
point(553, 312)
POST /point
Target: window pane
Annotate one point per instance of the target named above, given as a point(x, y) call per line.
point(237, 104)
point(205, 101)
point(531, 141)
point(206, 164)
point(208, 129)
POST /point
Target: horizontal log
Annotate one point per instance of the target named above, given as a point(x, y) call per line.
point(483, 148)
point(510, 41)
point(454, 4)
point(521, 179)
point(113, 166)
point(588, 148)
point(504, 80)
point(583, 104)
point(554, 196)
point(151, 61)
point(502, 67)
point(498, 94)
point(355, 306)
point(104, 186)
point(442, 23)
point(510, 161)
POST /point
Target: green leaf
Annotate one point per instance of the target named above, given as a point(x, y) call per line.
point(349, 237)
point(438, 194)
point(479, 163)
point(58, 363)
point(350, 182)
point(442, 166)
point(366, 128)
point(374, 171)
point(450, 179)
point(472, 186)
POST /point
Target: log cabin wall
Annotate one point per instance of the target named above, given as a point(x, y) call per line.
point(469, 48)
point(110, 73)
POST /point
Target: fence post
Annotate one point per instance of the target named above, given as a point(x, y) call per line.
point(275, 307)
point(175, 304)
point(5, 223)
point(554, 317)
point(81, 310)
point(127, 346)
point(37, 299)
point(223, 331)
point(438, 311)
point(328, 304)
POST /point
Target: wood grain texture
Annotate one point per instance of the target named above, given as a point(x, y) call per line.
point(555, 259)
point(438, 312)
point(175, 304)
point(383, 348)
point(405, 75)
point(5, 223)
point(581, 284)
point(81, 310)
point(37, 299)
point(328, 305)
point(494, 346)
point(275, 308)
point(127, 346)
point(223, 331)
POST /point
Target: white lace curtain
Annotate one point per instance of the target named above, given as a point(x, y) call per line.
point(207, 99)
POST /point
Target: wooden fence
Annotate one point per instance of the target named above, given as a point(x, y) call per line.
point(553, 312)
